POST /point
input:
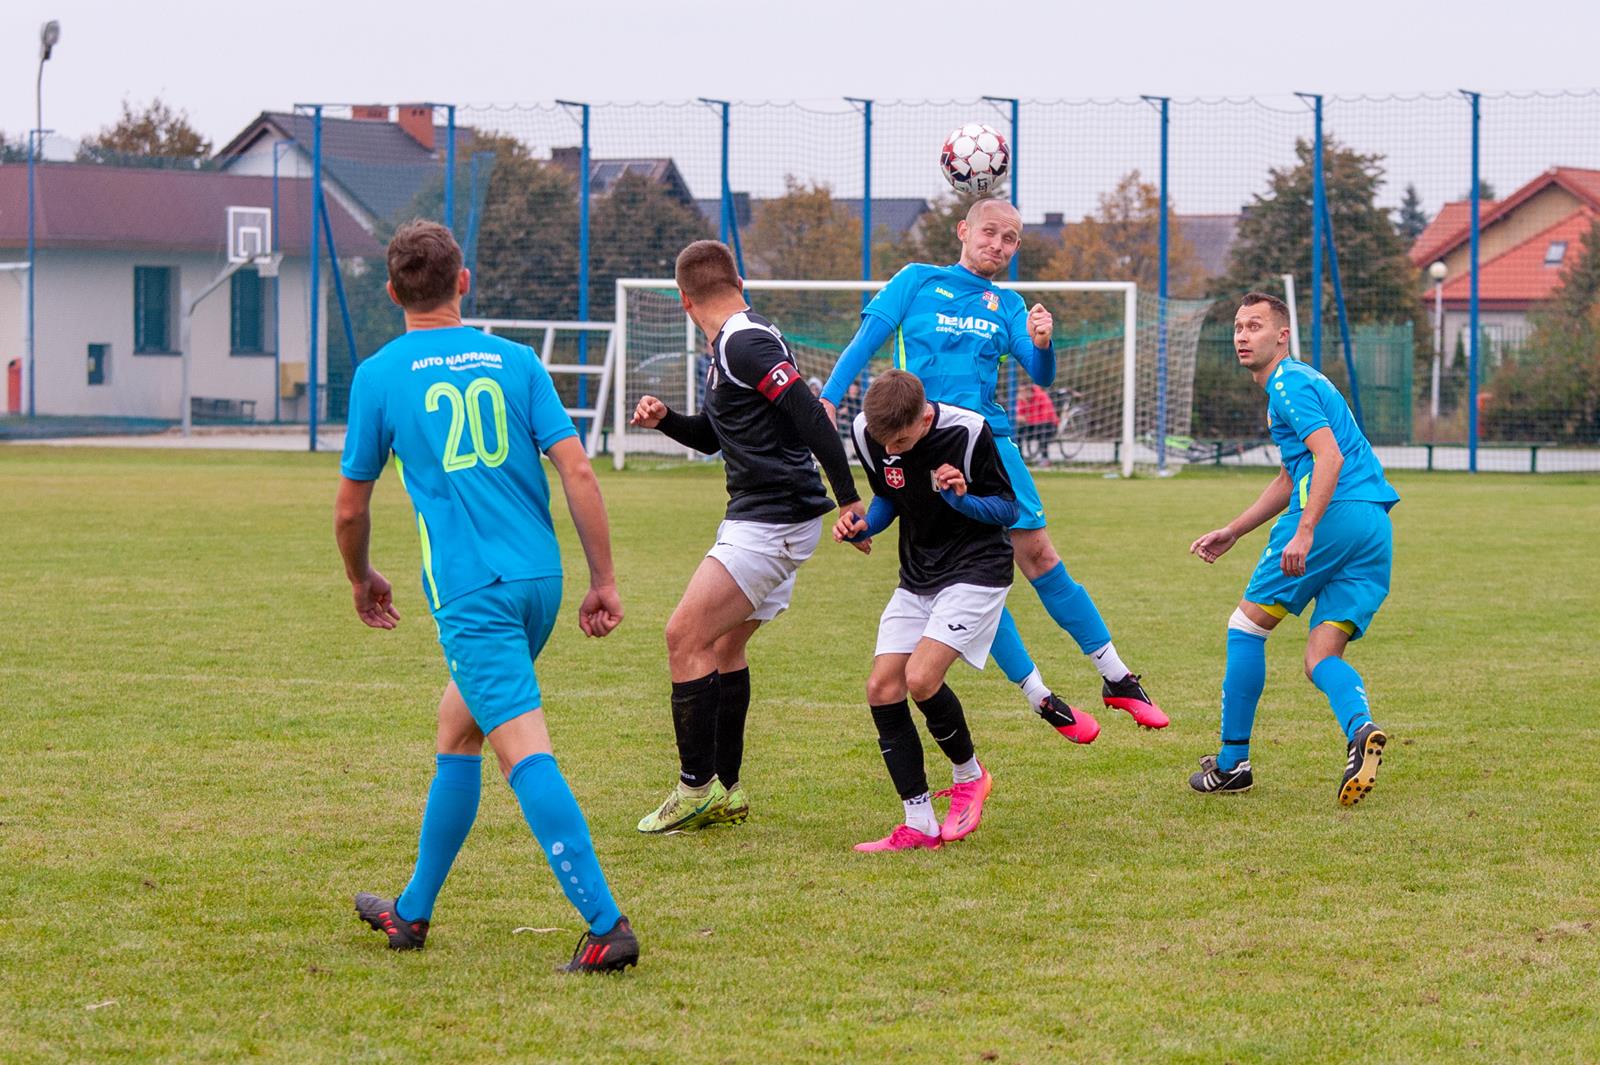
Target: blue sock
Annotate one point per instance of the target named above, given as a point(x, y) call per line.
point(1069, 605)
point(1242, 683)
point(563, 835)
point(1008, 652)
point(1346, 694)
point(452, 807)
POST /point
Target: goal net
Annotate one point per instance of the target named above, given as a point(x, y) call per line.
point(1122, 397)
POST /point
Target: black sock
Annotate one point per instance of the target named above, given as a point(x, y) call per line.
point(947, 724)
point(694, 722)
point(901, 748)
point(733, 703)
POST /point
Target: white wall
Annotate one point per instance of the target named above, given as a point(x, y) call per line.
point(13, 327)
point(86, 297)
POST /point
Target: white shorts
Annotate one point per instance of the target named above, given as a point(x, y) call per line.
point(762, 560)
point(962, 616)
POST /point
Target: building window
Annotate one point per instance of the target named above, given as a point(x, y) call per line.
point(154, 296)
point(251, 317)
point(99, 355)
point(1555, 253)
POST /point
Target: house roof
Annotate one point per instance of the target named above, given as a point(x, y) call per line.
point(1519, 275)
point(1453, 226)
point(1211, 236)
point(604, 173)
point(114, 207)
point(378, 163)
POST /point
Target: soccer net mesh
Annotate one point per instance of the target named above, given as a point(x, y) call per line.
point(1105, 334)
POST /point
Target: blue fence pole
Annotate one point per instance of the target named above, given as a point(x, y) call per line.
point(35, 138)
point(316, 268)
point(1164, 239)
point(866, 192)
point(449, 165)
point(1472, 306)
point(583, 252)
point(1318, 198)
point(277, 290)
point(1344, 318)
point(1015, 115)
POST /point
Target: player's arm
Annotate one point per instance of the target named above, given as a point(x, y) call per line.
point(1214, 544)
point(352, 530)
point(988, 496)
point(858, 530)
point(689, 430)
point(1329, 460)
point(1032, 346)
point(601, 609)
point(874, 330)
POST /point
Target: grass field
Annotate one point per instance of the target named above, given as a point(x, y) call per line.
point(204, 755)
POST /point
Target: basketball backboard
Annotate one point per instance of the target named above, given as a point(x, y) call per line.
point(249, 234)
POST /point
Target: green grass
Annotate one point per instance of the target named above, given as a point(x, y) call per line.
point(203, 755)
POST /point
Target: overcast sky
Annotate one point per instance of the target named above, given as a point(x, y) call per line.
point(224, 63)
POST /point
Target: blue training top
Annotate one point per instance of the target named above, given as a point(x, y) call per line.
point(466, 415)
point(1299, 402)
point(952, 329)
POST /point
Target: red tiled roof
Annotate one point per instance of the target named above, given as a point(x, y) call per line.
point(1441, 232)
point(1519, 275)
point(1453, 225)
point(110, 207)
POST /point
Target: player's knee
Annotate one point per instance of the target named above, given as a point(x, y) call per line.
point(682, 639)
point(884, 688)
point(923, 682)
point(1035, 553)
point(1242, 622)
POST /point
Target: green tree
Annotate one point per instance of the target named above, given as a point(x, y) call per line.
point(13, 149)
point(932, 240)
point(806, 235)
point(1551, 390)
point(527, 264)
point(1413, 219)
point(154, 135)
point(637, 230)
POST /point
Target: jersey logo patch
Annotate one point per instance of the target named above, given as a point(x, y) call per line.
point(991, 301)
point(777, 381)
point(894, 477)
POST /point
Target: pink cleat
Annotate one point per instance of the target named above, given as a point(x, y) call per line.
point(1076, 725)
point(966, 807)
point(903, 838)
point(1128, 694)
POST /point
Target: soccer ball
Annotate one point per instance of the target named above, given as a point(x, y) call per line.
point(975, 158)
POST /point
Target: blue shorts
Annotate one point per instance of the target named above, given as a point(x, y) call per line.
point(1347, 571)
point(1030, 508)
point(491, 637)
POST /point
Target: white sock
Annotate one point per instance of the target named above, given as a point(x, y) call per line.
point(919, 815)
point(1034, 687)
point(1109, 663)
point(967, 771)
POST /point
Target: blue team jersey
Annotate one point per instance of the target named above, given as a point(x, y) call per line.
point(1299, 402)
point(466, 415)
point(952, 329)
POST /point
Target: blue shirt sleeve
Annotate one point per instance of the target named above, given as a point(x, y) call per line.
point(880, 515)
point(991, 510)
point(367, 439)
point(868, 339)
point(550, 420)
point(1039, 362)
point(894, 299)
point(1300, 404)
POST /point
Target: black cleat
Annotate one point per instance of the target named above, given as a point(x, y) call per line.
point(610, 953)
point(1128, 694)
point(1211, 780)
point(1076, 725)
point(1361, 770)
point(379, 913)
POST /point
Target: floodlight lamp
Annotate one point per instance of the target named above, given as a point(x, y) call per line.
point(49, 35)
point(1438, 271)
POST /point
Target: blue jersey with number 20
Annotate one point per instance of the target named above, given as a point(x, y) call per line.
point(466, 415)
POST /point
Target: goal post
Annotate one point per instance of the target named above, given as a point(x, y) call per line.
point(1106, 338)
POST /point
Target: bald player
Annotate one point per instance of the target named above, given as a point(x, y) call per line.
point(952, 326)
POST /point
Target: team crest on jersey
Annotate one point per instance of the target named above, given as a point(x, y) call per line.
point(991, 301)
point(894, 477)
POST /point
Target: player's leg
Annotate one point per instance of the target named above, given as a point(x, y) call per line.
point(1014, 661)
point(447, 818)
point(733, 706)
point(1244, 678)
point(1066, 601)
point(899, 630)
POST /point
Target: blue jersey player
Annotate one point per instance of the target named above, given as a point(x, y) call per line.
point(952, 327)
point(1332, 545)
point(466, 416)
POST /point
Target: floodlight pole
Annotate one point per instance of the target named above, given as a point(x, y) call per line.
point(49, 35)
point(185, 334)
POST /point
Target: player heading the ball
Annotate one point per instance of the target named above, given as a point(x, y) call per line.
point(1333, 545)
point(935, 467)
point(466, 416)
point(767, 424)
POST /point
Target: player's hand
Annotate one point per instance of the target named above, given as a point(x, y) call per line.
point(851, 522)
point(600, 611)
point(947, 476)
point(374, 598)
point(1213, 545)
point(831, 411)
point(1293, 560)
point(1040, 326)
point(648, 415)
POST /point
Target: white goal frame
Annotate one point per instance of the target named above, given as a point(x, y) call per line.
point(619, 338)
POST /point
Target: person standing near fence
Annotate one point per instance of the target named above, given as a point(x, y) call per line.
point(952, 326)
point(466, 416)
point(1334, 544)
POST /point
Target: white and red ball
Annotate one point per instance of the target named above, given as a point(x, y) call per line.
point(975, 159)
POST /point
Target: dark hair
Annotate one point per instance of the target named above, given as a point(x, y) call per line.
point(424, 265)
point(1280, 309)
point(894, 402)
point(706, 268)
